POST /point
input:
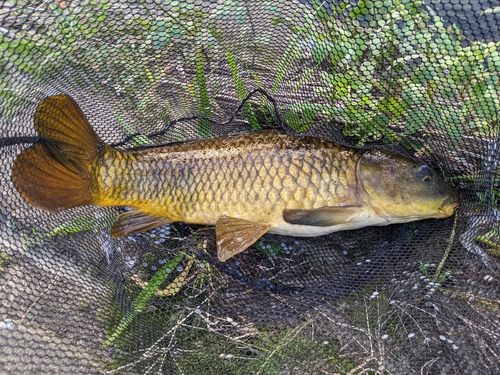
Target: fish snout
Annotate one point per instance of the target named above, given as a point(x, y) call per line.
point(448, 206)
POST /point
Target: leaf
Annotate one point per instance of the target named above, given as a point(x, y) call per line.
point(277, 21)
point(175, 286)
point(320, 11)
point(414, 94)
point(240, 14)
point(414, 121)
point(425, 74)
point(82, 225)
point(433, 115)
point(242, 93)
point(140, 140)
point(395, 106)
point(300, 116)
point(271, 249)
point(272, 8)
point(494, 61)
point(478, 90)
point(204, 127)
point(447, 92)
point(454, 122)
point(488, 107)
point(493, 10)
point(320, 50)
point(292, 119)
point(291, 52)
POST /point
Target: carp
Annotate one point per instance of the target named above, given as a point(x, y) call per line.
point(246, 185)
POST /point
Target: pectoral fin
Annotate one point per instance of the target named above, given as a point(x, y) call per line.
point(236, 235)
point(323, 216)
point(135, 221)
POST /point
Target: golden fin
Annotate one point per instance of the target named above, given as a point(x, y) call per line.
point(60, 121)
point(322, 217)
point(135, 221)
point(236, 235)
point(53, 173)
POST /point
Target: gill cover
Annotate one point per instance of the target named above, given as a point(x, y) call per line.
point(400, 188)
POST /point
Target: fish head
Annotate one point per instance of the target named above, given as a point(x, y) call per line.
point(401, 189)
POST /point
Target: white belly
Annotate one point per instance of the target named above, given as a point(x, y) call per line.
point(295, 230)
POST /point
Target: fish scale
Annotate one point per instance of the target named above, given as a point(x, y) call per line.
point(263, 177)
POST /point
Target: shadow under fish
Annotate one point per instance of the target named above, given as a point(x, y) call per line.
point(383, 259)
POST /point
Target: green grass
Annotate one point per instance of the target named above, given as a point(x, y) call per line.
point(140, 302)
point(267, 350)
point(81, 225)
point(270, 352)
point(139, 140)
point(242, 93)
point(204, 127)
point(271, 249)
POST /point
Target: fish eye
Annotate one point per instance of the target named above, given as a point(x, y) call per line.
point(424, 173)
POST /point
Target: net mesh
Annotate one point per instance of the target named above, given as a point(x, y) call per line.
point(417, 77)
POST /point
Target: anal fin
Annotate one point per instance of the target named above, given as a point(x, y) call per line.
point(236, 235)
point(135, 221)
point(323, 216)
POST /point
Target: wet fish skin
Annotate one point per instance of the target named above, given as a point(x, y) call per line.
point(253, 177)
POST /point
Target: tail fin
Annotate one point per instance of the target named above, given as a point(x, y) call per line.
point(53, 174)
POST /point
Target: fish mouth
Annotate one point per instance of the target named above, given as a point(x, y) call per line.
point(448, 206)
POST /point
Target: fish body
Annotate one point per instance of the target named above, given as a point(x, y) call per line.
point(245, 185)
point(253, 177)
